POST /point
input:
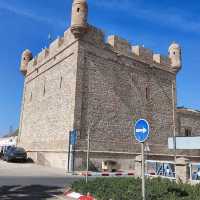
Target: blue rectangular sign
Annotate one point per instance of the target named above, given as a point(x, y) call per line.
point(73, 137)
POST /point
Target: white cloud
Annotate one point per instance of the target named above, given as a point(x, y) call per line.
point(170, 17)
point(31, 15)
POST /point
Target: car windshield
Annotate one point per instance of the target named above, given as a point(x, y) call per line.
point(20, 150)
point(17, 149)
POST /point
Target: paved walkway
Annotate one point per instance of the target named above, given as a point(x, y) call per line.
point(28, 181)
point(28, 169)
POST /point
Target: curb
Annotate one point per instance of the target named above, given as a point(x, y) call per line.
point(77, 196)
point(107, 174)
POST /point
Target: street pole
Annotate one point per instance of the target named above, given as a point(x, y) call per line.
point(69, 152)
point(143, 172)
point(174, 124)
point(71, 159)
point(88, 152)
point(142, 133)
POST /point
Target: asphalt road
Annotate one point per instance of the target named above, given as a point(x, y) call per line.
point(31, 182)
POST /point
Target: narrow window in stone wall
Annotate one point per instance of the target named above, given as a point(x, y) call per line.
point(132, 80)
point(61, 80)
point(188, 132)
point(44, 89)
point(147, 91)
point(132, 77)
point(31, 96)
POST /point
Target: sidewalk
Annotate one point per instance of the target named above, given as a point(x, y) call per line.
point(28, 169)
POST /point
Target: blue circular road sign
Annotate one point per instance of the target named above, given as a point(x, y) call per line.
point(141, 130)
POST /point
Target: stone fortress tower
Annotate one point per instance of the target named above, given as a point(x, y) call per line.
point(26, 58)
point(98, 86)
point(175, 56)
point(79, 23)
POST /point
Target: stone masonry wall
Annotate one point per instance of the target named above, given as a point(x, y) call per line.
point(117, 89)
point(188, 119)
point(100, 88)
point(49, 104)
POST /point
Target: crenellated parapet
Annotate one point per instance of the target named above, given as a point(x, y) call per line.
point(42, 55)
point(121, 47)
point(30, 64)
point(143, 53)
point(169, 63)
point(55, 45)
point(80, 30)
point(94, 35)
point(160, 59)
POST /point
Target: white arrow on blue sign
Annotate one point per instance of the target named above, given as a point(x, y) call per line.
point(141, 130)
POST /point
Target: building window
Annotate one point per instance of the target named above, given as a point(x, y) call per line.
point(78, 9)
point(188, 132)
point(61, 80)
point(31, 96)
point(147, 91)
point(44, 89)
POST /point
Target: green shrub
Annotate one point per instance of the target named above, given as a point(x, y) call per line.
point(130, 189)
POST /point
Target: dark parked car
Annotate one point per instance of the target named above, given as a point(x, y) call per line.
point(14, 154)
point(1, 152)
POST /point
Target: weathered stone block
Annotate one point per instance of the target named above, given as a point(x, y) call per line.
point(120, 45)
point(182, 170)
point(143, 53)
point(161, 59)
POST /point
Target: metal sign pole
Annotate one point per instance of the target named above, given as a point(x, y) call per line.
point(88, 152)
point(71, 159)
point(72, 143)
point(143, 172)
point(73, 162)
point(141, 133)
point(68, 166)
point(174, 121)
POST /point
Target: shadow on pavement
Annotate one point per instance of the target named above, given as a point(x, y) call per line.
point(28, 161)
point(32, 192)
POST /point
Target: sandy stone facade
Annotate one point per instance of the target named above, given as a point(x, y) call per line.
point(86, 82)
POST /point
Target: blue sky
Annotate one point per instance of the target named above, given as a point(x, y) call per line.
point(26, 24)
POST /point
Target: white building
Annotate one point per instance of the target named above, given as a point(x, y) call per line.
point(8, 141)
